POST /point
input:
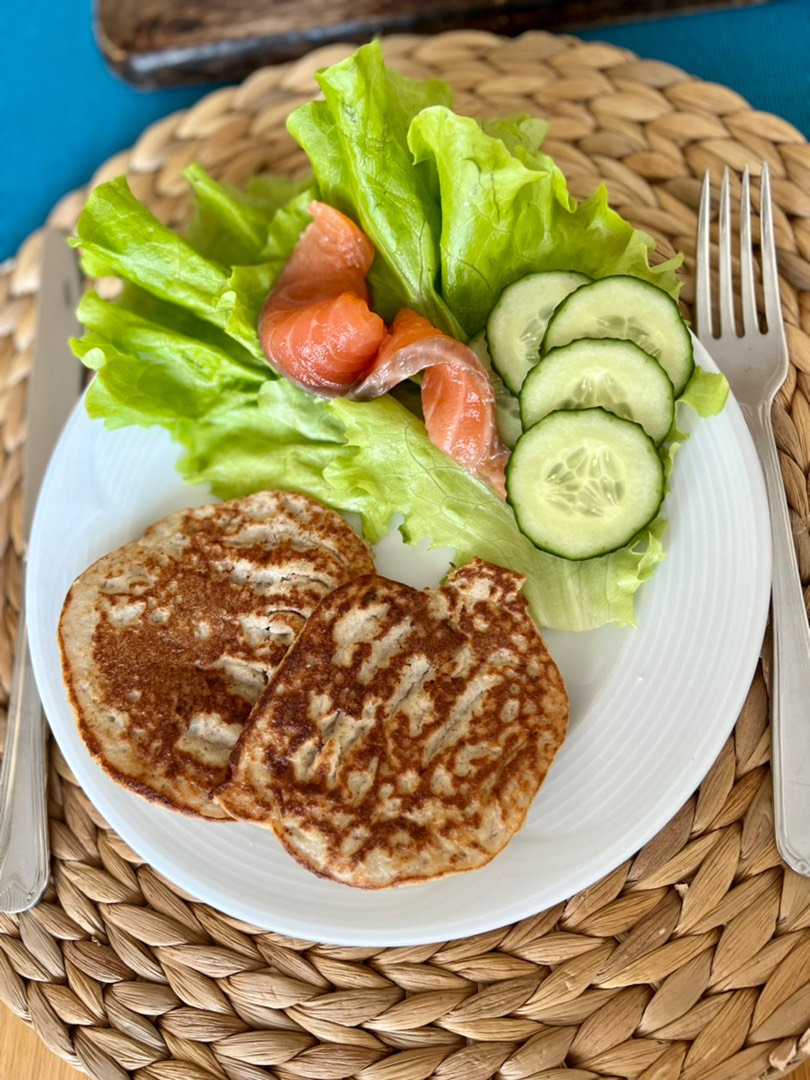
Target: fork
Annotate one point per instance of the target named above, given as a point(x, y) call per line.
point(756, 363)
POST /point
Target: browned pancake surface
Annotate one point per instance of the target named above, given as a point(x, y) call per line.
point(406, 733)
point(168, 642)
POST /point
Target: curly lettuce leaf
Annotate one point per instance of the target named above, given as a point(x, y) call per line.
point(706, 392)
point(149, 373)
point(281, 438)
point(232, 225)
point(119, 236)
point(507, 212)
point(513, 215)
point(179, 348)
point(357, 142)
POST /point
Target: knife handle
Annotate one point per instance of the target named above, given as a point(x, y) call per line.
point(790, 667)
point(24, 852)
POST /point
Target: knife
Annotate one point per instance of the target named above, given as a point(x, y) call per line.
point(54, 385)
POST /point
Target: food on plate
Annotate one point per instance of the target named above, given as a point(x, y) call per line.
point(462, 227)
point(626, 308)
point(167, 642)
point(457, 396)
point(507, 406)
point(583, 482)
point(588, 470)
point(517, 324)
point(317, 329)
point(608, 372)
point(405, 733)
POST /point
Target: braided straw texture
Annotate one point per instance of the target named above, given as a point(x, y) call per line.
point(692, 959)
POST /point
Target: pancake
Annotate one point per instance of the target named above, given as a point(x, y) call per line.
point(168, 642)
point(406, 733)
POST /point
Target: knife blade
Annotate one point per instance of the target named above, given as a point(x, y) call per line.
point(54, 385)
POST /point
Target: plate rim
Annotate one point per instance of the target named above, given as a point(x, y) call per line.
point(84, 767)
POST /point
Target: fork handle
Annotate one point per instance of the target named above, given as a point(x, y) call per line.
point(790, 669)
point(24, 853)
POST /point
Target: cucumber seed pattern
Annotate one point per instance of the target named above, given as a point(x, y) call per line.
point(599, 388)
point(587, 481)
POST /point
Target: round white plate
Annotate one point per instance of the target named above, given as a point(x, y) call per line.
point(650, 707)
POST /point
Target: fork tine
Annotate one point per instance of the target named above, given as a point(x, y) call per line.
point(726, 284)
point(703, 276)
point(770, 274)
point(749, 298)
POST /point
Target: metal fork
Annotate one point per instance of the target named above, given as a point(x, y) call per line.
point(756, 364)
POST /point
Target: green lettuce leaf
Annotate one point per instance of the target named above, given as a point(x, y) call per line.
point(179, 347)
point(118, 235)
point(507, 212)
point(281, 438)
point(357, 141)
point(231, 225)
point(148, 372)
point(706, 392)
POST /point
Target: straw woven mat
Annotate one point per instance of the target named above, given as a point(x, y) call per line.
point(692, 959)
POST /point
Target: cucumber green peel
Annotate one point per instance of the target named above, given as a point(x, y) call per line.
point(584, 482)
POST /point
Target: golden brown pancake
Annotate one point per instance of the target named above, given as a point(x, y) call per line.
point(168, 642)
point(406, 733)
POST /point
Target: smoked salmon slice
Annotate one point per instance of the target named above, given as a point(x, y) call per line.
point(316, 326)
point(458, 402)
point(317, 329)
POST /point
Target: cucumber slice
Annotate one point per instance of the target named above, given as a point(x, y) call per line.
point(518, 321)
point(629, 308)
point(507, 410)
point(615, 374)
point(584, 482)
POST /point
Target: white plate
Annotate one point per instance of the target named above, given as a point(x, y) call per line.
point(650, 707)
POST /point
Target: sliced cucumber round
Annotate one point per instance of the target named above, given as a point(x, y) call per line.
point(507, 410)
point(629, 308)
point(518, 321)
point(616, 374)
point(584, 482)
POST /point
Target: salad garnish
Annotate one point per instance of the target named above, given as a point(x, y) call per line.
point(457, 210)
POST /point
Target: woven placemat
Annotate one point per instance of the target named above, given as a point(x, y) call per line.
point(690, 960)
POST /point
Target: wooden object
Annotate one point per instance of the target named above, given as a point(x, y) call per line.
point(690, 960)
point(159, 43)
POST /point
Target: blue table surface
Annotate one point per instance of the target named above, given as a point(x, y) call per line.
point(64, 113)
